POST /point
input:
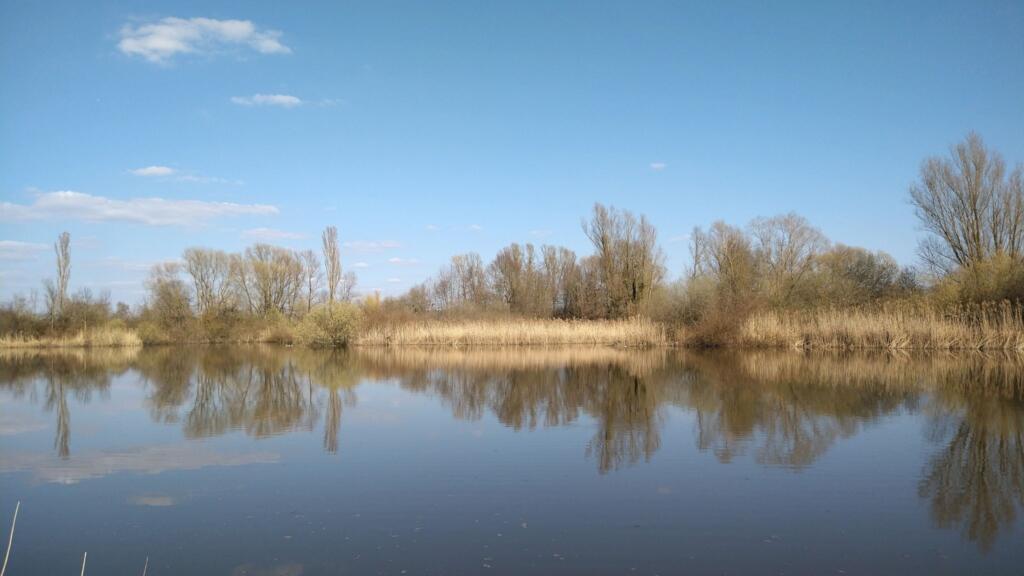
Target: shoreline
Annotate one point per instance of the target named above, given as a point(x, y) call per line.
point(835, 330)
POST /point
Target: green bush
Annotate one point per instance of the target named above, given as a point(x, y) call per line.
point(330, 326)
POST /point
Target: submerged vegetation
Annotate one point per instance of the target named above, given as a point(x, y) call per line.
point(777, 282)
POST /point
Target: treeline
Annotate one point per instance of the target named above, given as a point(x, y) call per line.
point(265, 293)
point(968, 203)
point(551, 281)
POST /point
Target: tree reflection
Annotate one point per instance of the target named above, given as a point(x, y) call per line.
point(976, 482)
point(262, 391)
point(524, 389)
point(60, 374)
point(789, 412)
point(782, 409)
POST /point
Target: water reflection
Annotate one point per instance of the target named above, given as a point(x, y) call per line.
point(976, 481)
point(780, 409)
point(77, 373)
point(788, 409)
point(621, 391)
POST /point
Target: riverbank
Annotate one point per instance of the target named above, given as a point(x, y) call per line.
point(104, 337)
point(996, 327)
point(999, 327)
point(628, 333)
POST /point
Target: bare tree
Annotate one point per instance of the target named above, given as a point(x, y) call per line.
point(629, 259)
point(786, 247)
point(559, 265)
point(63, 249)
point(724, 253)
point(210, 271)
point(462, 282)
point(970, 208)
point(850, 275)
point(312, 275)
point(332, 262)
point(347, 288)
point(270, 278)
point(168, 295)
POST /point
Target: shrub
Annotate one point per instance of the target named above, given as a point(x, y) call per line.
point(998, 278)
point(330, 325)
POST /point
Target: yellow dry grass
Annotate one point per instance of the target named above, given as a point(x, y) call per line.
point(107, 337)
point(992, 327)
point(628, 333)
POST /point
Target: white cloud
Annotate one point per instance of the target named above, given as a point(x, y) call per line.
point(540, 233)
point(432, 228)
point(16, 250)
point(271, 234)
point(658, 166)
point(281, 100)
point(371, 245)
point(154, 171)
point(160, 41)
point(360, 265)
point(152, 211)
point(403, 261)
point(394, 280)
point(476, 227)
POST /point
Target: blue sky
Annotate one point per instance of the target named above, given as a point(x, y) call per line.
point(426, 129)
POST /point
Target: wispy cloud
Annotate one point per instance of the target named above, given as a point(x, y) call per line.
point(658, 166)
point(271, 234)
point(17, 250)
point(360, 265)
point(403, 261)
point(157, 500)
point(432, 228)
point(371, 245)
point(540, 233)
point(166, 172)
point(200, 179)
point(476, 227)
point(162, 40)
point(126, 265)
point(147, 460)
point(13, 423)
point(279, 100)
point(71, 205)
point(154, 171)
point(394, 280)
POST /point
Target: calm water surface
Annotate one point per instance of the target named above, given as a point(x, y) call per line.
point(271, 461)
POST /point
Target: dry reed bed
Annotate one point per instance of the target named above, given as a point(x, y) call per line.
point(629, 333)
point(994, 327)
point(489, 359)
point(109, 337)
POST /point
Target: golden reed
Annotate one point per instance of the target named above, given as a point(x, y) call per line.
point(998, 326)
point(106, 337)
point(628, 333)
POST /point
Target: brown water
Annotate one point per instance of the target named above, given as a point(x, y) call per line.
point(273, 461)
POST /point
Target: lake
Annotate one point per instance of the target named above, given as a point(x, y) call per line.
point(277, 461)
